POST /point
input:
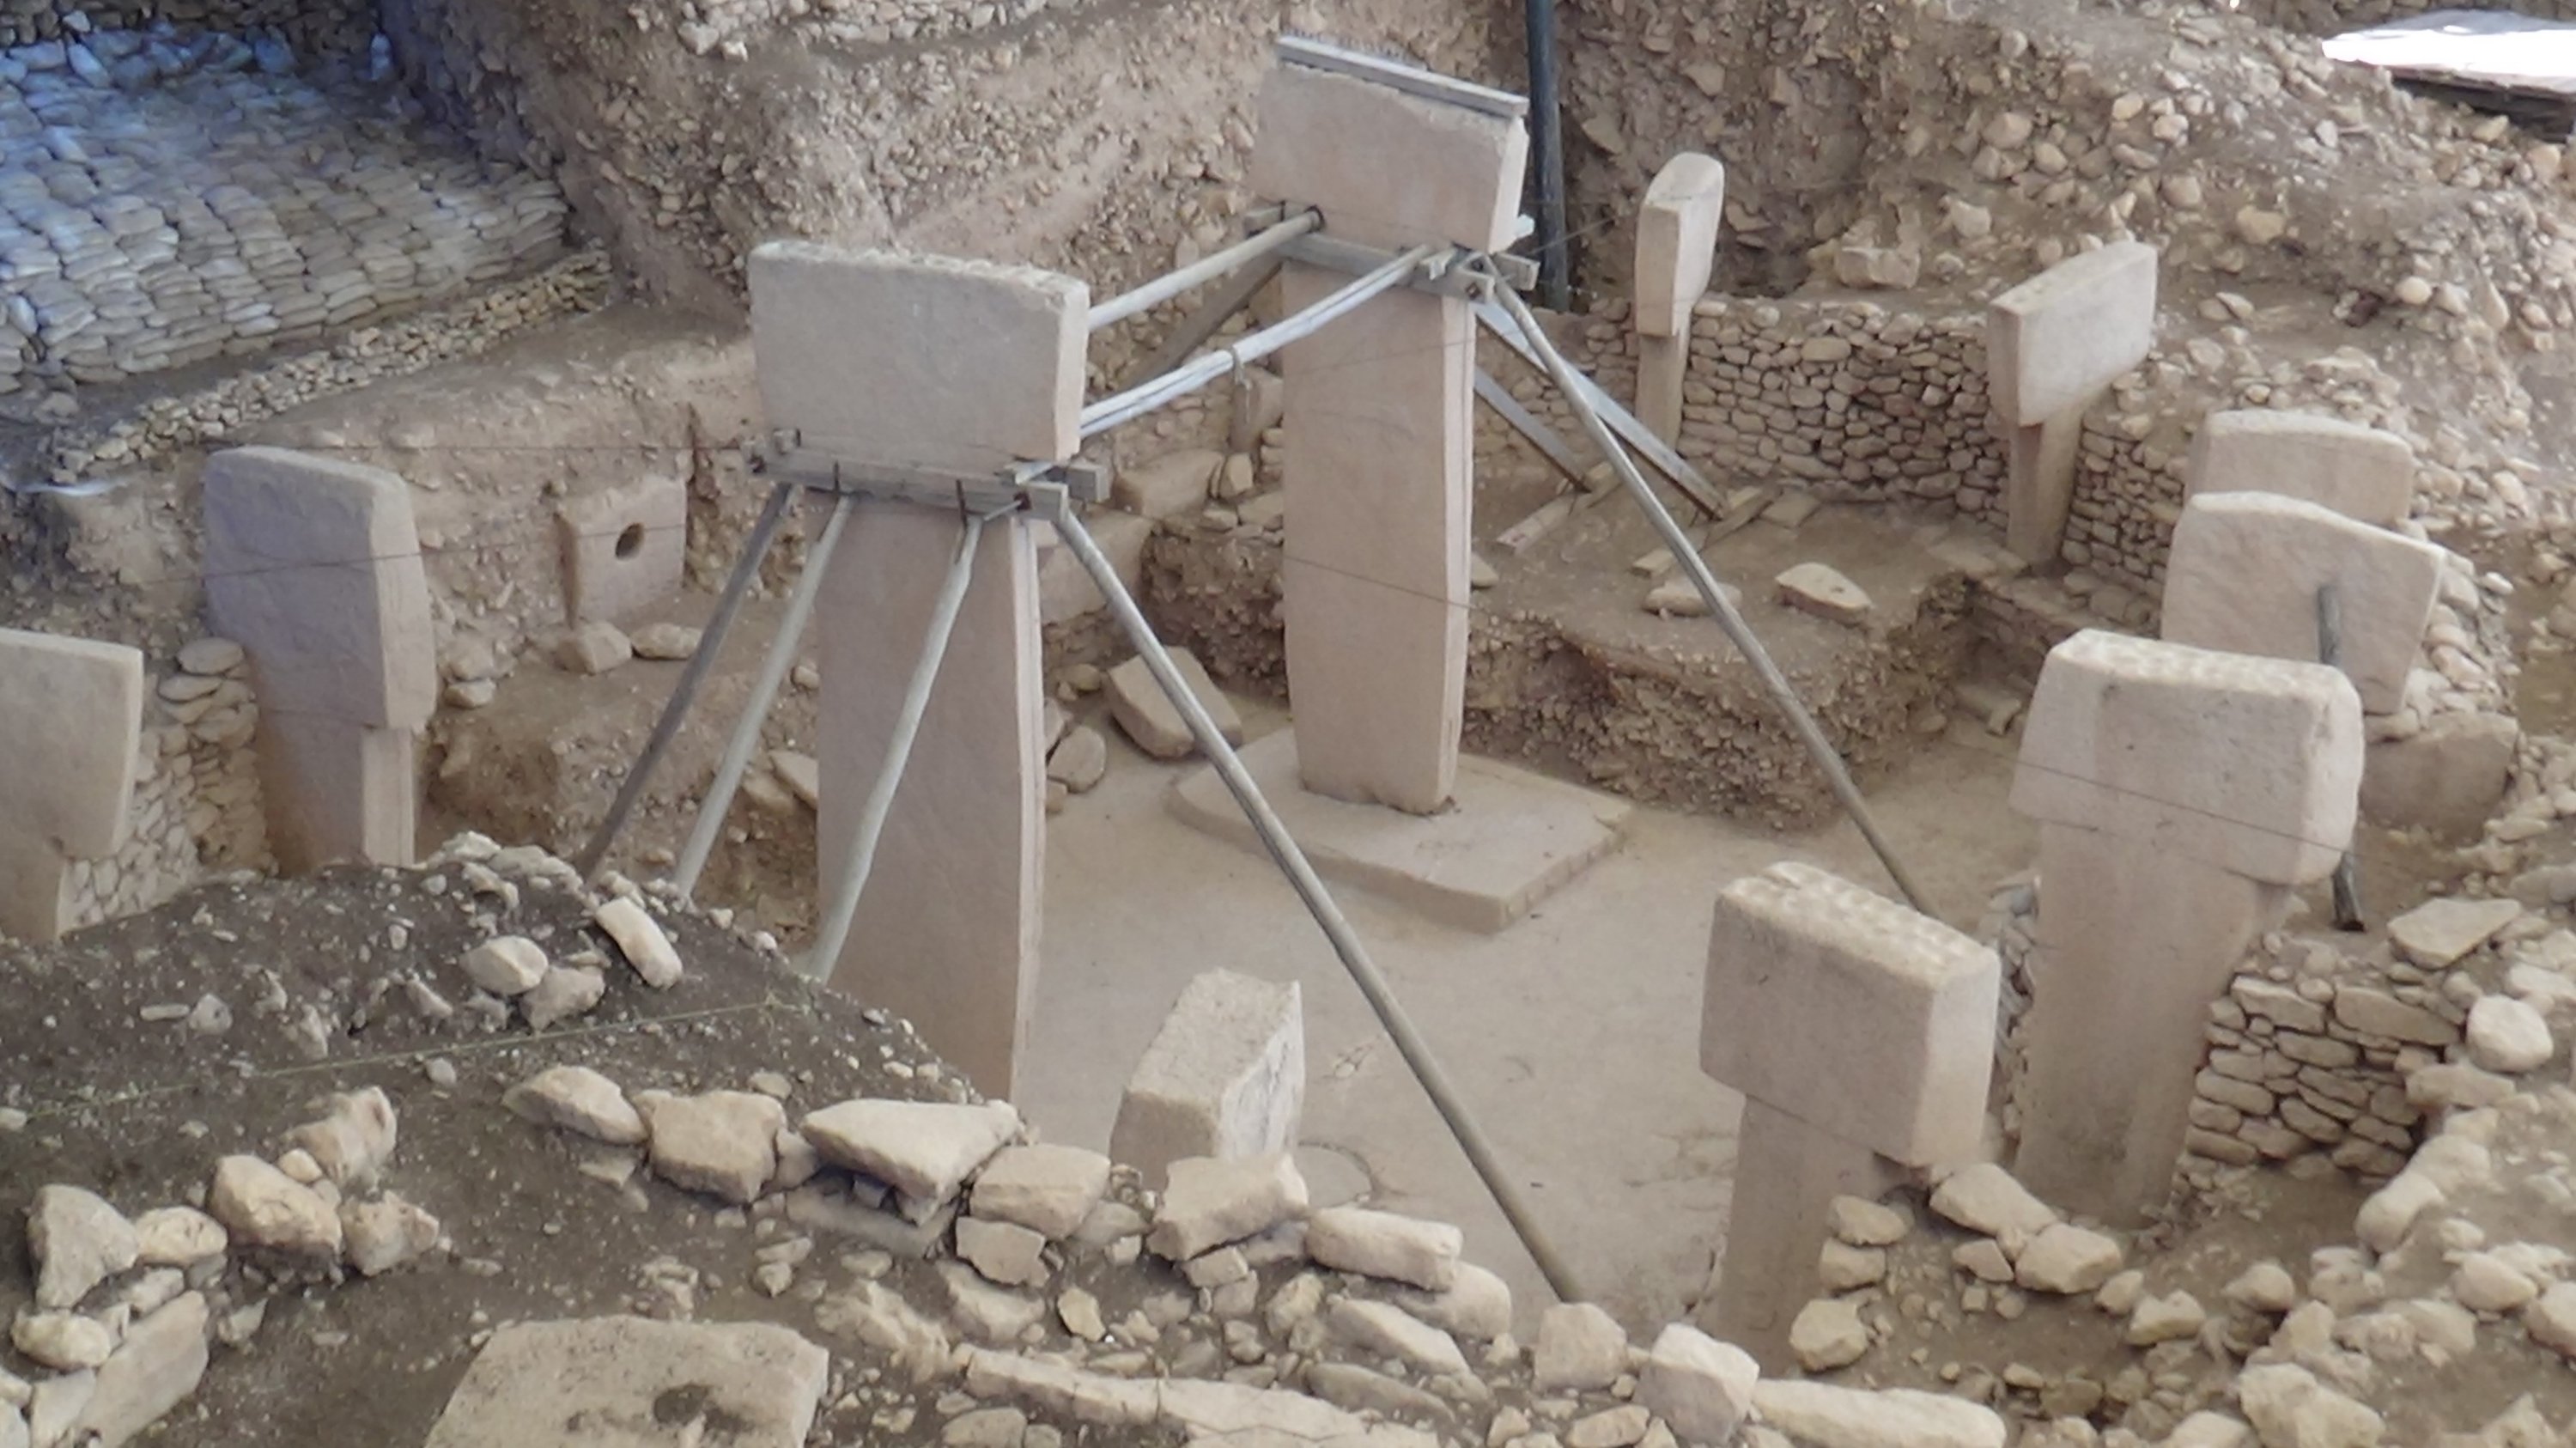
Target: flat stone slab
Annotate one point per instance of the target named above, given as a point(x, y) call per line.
point(1511, 839)
point(624, 1382)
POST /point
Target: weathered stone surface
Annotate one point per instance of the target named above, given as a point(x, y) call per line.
point(2056, 340)
point(1677, 226)
point(1477, 1305)
point(2246, 764)
point(1702, 1387)
point(178, 1237)
point(1210, 1202)
point(64, 1341)
point(384, 1232)
point(593, 648)
point(579, 1099)
point(1385, 1244)
point(721, 1142)
point(1850, 1012)
point(2551, 1320)
point(78, 1241)
point(1332, 141)
point(1046, 1188)
point(1145, 712)
point(1004, 1252)
point(2449, 778)
point(565, 991)
point(923, 1149)
point(2165, 1319)
point(1224, 1077)
point(508, 965)
point(666, 642)
point(1827, 1416)
point(264, 1207)
point(1169, 485)
point(1384, 1330)
point(2439, 933)
point(640, 940)
point(2289, 1408)
point(152, 1371)
point(1580, 1348)
point(70, 799)
point(1863, 1223)
point(624, 549)
point(624, 1382)
point(2364, 474)
point(2508, 1036)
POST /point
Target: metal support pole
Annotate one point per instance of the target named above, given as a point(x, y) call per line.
point(676, 709)
point(1547, 154)
point(834, 930)
point(1208, 268)
point(2347, 872)
point(755, 710)
point(1136, 401)
point(1776, 683)
point(1319, 903)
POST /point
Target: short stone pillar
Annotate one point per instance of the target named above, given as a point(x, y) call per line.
point(1862, 1036)
point(2053, 344)
point(2180, 794)
point(1225, 1077)
point(2364, 474)
point(72, 710)
point(313, 566)
point(1676, 251)
point(1380, 440)
point(2246, 568)
point(937, 363)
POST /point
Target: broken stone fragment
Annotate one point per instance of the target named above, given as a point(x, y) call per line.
point(152, 1371)
point(2439, 933)
point(1081, 760)
point(353, 1141)
point(594, 648)
point(1831, 1416)
point(923, 1149)
point(1383, 1244)
point(724, 1143)
point(798, 1161)
point(1700, 1386)
point(382, 1234)
point(1985, 1198)
point(2067, 1259)
point(2551, 1319)
point(754, 1385)
point(264, 1207)
point(1610, 1428)
point(1004, 1252)
point(178, 1237)
point(1477, 1306)
point(2165, 1319)
point(640, 939)
point(2263, 1287)
point(1826, 593)
point(565, 992)
point(77, 1241)
point(1842, 1267)
point(1210, 1202)
point(1580, 1348)
point(986, 1313)
point(1383, 1330)
point(1827, 1333)
point(801, 773)
point(64, 1341)
point(666, 641)
point(577, 1099)
point(1047, 1189)
point(508, 965)
point(1681, 598)
point(1148, 716)
point(2287, 1405)
point(1864, 1223)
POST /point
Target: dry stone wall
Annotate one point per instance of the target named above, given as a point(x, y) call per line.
point(196, 807)
point(169, 198)
point(314, 26)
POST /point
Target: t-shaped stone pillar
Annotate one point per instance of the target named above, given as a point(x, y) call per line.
point(1380, 432)
point(930, 362)
point(72, 710)
point(2180, 793)
point(313, 565)
point(2052, 345)
point(1862, 1035)
point(1676, 250)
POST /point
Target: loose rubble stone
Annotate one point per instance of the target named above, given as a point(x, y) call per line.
point(152, 1371)
point(1823, 591)
point(1985, 1198)
point(1080, 760)
point(1845, 1268)
point(1047, 1189)
point(640, 939)
point(2485, 1282)
point(1610, 1428)
point(2289, 1408)
point(264, 1207)
point(666, 641)
point(2163, 1319)
point(1702, 1387)
point(2264, 1287)
point(2067, 1259)
point(1148, 716)
point(1477, 1305)
point(1383, 1330)
point(1826, 1416)
point(2508, 1036)
point(1004, 1252)
point(1827, 1334)
point(2438, 933)
point(1384, 1244)
point(923, 1149)
point(77, 1241)
point(721, 1142)
point(1580, 1348)
point(750, 1385)
point(508, 965)
point(1865, 1223)
point(178, 1237)
point(578, 1099)
point(384, 1233)
point(594, 648)
point(565, 992)
point(1210, 1202)
point(353, 1141)
point(64, 1341)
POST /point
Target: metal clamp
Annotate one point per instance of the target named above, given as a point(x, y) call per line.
point(1448, 275)
point(1033, 489)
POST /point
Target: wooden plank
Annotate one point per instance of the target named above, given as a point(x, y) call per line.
point(1518, 537)
point(1622, 422)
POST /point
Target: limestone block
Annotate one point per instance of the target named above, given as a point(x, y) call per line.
point(2247, 764)
point(2360, 472)
point(622, 1379)
point(1388, 168)
point(2054, 342)
point(2449, 778)
point(1663, 365)
point(920, 360)
point(1824, 1413)
point(1148, 717)
point(314, 567)
point(1375, 577)
point(337, 791)
point(1224, 1077)
point(623, 549)
point(946, 933)
point(2244, 573)
point(1163, 487)
point(1851, 1013)
point(1677, 229)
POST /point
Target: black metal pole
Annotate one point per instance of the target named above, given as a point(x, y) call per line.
point(1547, 154)
point(2347, 871)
